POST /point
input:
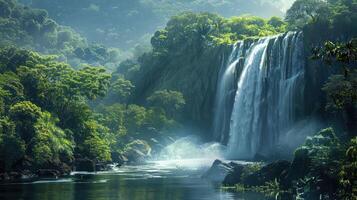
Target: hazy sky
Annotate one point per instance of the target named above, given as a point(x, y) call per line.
point(284, 4)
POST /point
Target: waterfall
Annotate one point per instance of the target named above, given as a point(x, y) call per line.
point(268, 94)
point(225, 93)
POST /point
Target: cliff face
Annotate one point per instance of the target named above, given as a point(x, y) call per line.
point(199, 75)
point(193, 73)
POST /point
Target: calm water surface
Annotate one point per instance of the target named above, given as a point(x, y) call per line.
point(169, 180)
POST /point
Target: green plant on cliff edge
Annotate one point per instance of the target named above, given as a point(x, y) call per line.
point(348, 173)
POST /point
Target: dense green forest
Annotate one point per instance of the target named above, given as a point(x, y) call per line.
point(34, 29)
point(126, 24)
point(82, 109)
point(46, 113)
point(66, 98)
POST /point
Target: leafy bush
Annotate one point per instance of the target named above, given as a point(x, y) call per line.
point(348, 173)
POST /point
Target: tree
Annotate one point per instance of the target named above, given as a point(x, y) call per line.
point(114, 117)
point(347, 174)
point(305, 11)
point(12, 147)
point(170, 101)
point(50, 142)
point(62, 90)
point(120, 90)
point(25, 114)
point(277, 23)
point(135, 118)
point(12, 89)
point(97, 142)
point(341, 89)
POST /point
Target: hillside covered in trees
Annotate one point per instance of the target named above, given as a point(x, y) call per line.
point(125, 24)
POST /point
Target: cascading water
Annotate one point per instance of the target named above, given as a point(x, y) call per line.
point(268, 93)
point(225, 92)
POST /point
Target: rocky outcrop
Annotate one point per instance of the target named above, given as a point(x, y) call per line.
point(314, 171)
point(195, 74)
point(84, 164)
point(234, 176)
point(219, 170)
point(48, 173)
point(136, 152)
point(26, 170)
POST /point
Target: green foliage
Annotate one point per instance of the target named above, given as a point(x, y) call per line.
point(128, 68)
point(125, 24)
point(305, 11)
point(97, 143)
point(97, 149)
point(191, 31)
point(250, 169)
point(348, 173)
point(25, 114)
point(128, 122)
point(170, 101)
point(51, 142)
point(335, 17)
point(341, 90)
point(33, 29)
point(120, 90)
point(250, 26)
point(331, 166)
point(12, 91)
point(12, 147)
point(270, 189)
point(44, 110)
point(323, 147)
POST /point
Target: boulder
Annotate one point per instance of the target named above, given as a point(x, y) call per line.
point(135, 156)
point(219, 170)
point(59, 166)
point(102, 167)
point(234, 176)
point(137, 152)
point(84, 164)
point(119, 158)
point(48, 173)
point(156, 145)
point(122, 159)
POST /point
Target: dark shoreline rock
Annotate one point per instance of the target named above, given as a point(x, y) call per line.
point(233, 173)
point(48, 173)
point(217, 171)
point(84, 164)
point(223, 172)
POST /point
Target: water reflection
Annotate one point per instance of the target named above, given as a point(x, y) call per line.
point(156, 181)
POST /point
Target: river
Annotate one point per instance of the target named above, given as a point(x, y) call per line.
point(159, 180)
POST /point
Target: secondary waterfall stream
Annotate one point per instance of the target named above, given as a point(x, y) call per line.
point(266, 78)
